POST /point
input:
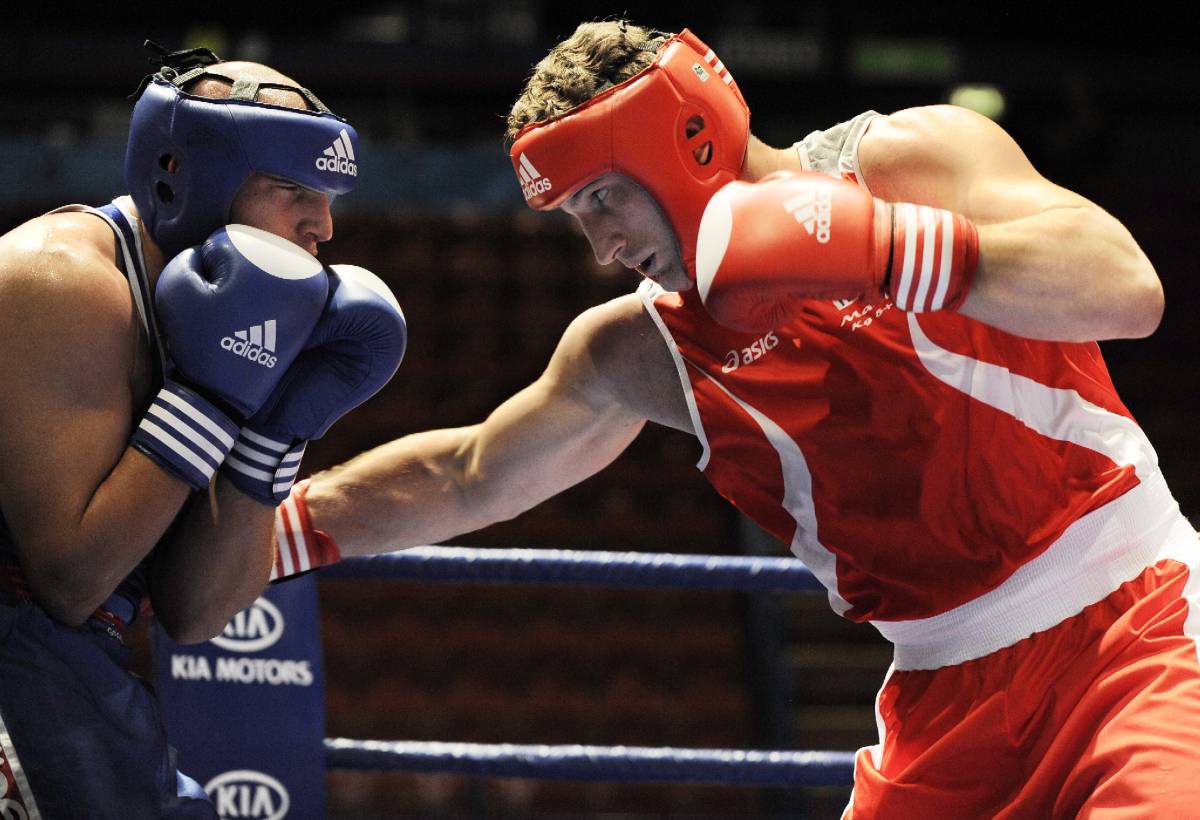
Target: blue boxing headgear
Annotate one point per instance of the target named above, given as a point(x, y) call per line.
point(188, 156)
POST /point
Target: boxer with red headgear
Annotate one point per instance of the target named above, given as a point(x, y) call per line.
point(679, 129)
point(181, 339)
point(883, 340)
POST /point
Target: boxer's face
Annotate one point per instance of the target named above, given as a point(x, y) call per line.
point(623, 223)
point(282, 207)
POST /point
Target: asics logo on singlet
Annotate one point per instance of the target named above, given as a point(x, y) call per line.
point(255, 343)
point(749, 355)
point(532, 183)
point(247, 793)
point(253, 629)
point(813, 210)
point(339, 157)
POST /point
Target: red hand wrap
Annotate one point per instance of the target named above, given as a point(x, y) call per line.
point(933, 260)
point(301, 547)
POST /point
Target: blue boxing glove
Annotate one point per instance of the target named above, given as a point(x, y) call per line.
point(237, 310)
point(234, 313)
point(353, 351)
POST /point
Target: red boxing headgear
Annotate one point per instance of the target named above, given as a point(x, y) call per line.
point(679, 129)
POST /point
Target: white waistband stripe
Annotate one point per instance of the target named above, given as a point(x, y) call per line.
point(1094, 556)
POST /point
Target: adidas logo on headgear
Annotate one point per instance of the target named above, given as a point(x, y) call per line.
point(532, 183)
point(339, 157)
point(256, 343)
point(813, 210)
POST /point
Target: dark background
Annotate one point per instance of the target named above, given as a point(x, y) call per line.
point(1104, 104)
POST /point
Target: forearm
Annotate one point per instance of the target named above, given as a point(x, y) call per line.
point(213, 565)
point(73, 569)
point(1066, 274)
point(431, 486)
point(408, 492)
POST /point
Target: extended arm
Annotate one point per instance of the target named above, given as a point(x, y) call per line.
point(610, 373)
point(1052, 265)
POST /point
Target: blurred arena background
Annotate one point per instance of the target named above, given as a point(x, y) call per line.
point(1105, 105)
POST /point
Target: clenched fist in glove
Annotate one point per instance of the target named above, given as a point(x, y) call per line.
point(233, 312)
point(764, 247)
point(352, 352)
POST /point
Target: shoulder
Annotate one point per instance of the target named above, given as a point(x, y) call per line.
point(927, 120)
point(617, 353)
point(941, 155)
point(927, 131)
point(935, 136)
point(61, 291)
point(61, 254)
point(607, 339)
point(614, 329)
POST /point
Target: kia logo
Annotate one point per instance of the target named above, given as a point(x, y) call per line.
point(253, 629)
point(246, 793)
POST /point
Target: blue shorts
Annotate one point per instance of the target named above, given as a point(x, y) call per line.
point(86, 734)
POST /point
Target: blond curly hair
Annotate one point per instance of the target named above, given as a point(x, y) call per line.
point(597, 56)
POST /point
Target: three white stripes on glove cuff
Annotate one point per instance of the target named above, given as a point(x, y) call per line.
point(264, 467)
point(191, 438)
point(933, 258)
point(185, 434)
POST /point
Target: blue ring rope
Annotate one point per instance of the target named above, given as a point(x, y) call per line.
point(731, 767)
point(618, 763)
point(618, 569)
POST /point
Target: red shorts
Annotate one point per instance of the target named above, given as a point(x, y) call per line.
point(1096, 717)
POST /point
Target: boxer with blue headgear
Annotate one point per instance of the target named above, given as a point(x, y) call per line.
point(188, 155)
point(199, 351)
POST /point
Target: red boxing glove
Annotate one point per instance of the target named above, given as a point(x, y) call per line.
point(765, 247)
point(301, 547)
